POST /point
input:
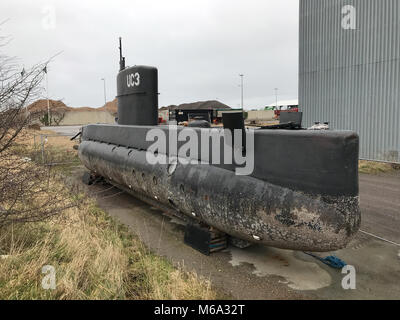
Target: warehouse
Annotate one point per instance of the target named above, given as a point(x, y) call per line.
point(350, 69)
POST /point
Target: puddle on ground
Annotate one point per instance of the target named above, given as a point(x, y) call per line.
point(299, 275)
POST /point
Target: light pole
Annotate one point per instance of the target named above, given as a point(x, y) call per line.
point(48, 99)
point(241, 86)
point(46, 71)
point(276, 97)
point(105, 92)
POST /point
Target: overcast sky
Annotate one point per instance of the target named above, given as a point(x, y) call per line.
point(199, 47)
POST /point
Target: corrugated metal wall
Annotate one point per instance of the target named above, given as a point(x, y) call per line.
point(351, 78)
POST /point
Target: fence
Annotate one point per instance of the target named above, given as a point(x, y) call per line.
point(54, 150)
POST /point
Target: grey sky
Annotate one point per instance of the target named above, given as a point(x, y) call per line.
point(199, 47)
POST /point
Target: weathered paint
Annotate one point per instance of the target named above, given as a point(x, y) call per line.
point(243, 207)
point(315, 162)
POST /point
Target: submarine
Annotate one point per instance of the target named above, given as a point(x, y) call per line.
point(301, 193)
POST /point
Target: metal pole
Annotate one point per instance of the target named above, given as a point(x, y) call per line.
point(241, 76)
point(244, 130)
point(105, 92)
point(42, 145)
point(276, 97)
point(48, 101)
point(26, 107)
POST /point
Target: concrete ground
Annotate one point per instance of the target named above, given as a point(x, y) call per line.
point(380, 201)
point(267, 273)
point(67, 130)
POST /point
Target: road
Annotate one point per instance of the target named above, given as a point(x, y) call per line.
point(267, 273)
point(380, 204)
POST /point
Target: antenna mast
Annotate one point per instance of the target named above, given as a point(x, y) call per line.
point(121, 58)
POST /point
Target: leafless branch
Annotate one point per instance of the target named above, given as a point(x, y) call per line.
point(28, 192)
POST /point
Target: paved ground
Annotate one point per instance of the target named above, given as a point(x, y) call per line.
point(267, 273)
point(68, 130)
point(380, 201)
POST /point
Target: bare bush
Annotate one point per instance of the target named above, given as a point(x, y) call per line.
point(28, 192)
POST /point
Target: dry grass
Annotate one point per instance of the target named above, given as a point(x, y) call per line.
point(94, 258)
point(56, 149)
point(370, 167)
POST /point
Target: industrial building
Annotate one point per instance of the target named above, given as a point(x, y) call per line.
point(350, 70)
point(207, 110)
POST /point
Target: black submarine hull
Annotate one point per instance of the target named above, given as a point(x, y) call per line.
point(302, 194)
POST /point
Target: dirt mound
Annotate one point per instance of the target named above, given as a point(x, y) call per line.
point(111, 107)
point(84, 109)
point(201, 105)
point(41, 106)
